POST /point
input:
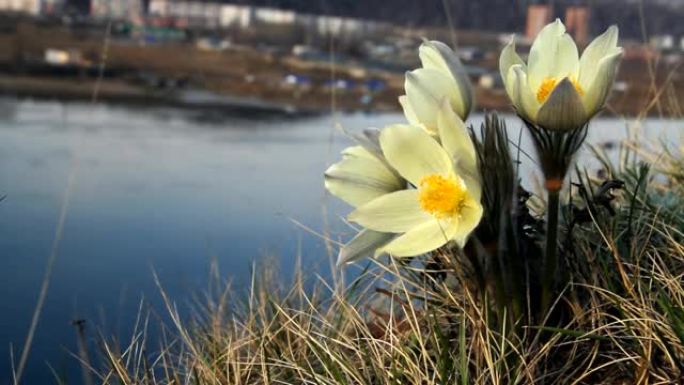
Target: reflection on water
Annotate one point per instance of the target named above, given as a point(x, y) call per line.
point(157, 189)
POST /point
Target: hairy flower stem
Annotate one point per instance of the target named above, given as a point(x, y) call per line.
point(551, 254)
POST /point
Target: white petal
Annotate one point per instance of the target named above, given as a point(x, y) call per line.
point(431, 57)
point(368, 139)
point(602, 46)
point(543, 54)
point(470, 217)
point(456, 141)
point(369, 148)
point(357, 152)
point(409, 113)
point(508, 59)
point(567, 59)
point(512, 85)
point(474, 186)
point(523, 99)
point(414, 153)
point(364, 244)
point(420, 99)
point(597, 93)
point(437, 55)
point(360, 177)
point(422, 239)
point(426, 88)
point(393, 213)
point(563, 110)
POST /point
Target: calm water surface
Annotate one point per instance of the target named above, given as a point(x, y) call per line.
point(164, 191)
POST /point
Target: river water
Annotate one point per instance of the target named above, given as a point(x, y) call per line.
point(161, 191)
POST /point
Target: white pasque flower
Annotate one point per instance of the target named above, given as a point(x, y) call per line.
point(442, 76)
point(445, 204)
point(557, 89)
point(361, 176)
point(365, 175)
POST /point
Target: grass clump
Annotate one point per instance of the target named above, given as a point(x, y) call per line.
point(461, 317)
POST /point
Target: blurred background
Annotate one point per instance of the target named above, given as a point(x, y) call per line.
point(189, 138)
point(275, 56)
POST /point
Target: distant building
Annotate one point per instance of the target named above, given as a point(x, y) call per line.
point(199, 14)
point(130, 10)
point(663, 42)
point(633, 51)
point(537, 17)
point(274, 16)
point(51, 7)
point(340, 27)
point(238, 16)
point(211, 15)
point(577, 23)
point(159, 8)
point(193, 14)
point(31, 7)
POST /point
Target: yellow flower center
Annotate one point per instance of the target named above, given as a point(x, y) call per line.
point(440, 196)
point(549, 84)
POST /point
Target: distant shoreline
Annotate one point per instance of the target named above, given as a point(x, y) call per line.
point(54, 62)
point(113, 92)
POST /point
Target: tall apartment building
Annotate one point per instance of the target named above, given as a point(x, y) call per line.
point(131, 10)
point(537, 17)
point(31, 7)
point(577, 23)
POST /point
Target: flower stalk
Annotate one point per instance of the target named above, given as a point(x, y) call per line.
point(551, 250)
point(556, 151)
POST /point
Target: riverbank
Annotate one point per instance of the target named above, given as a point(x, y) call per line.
point(118, 92)
point(60, 63)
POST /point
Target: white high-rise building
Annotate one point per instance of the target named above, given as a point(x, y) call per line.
point(274, 16)
point(191, 13)
point(131, 10)
point(236, 16)
point(31, 7)
point(211, 14)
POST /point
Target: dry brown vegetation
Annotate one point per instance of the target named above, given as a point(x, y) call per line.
point(619, 319)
